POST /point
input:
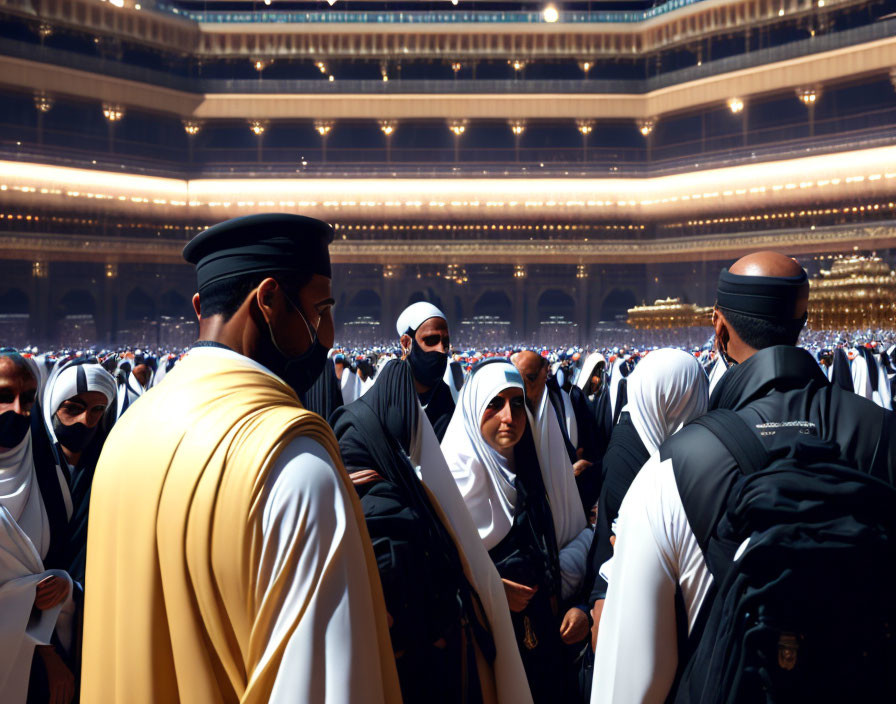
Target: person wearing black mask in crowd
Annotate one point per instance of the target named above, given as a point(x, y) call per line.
point(425, 342)
point(227, 554)
point(78, 411)
point(34, 588)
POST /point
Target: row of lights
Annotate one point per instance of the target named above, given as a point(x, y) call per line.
point(855, 209)
point(552, 203)
point(113, 112)
point(388, 127)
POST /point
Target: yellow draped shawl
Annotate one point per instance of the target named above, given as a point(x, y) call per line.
point(174, 542)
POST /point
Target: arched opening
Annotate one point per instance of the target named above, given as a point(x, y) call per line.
point(14, 318)
point(616, 304)
point(173, 305)
point(359, 319)
point(428, 295)
point(76, 319)
point(139, 306)
point(556, 323)
point(490, 323)
point(178, 327)
point(140, 325)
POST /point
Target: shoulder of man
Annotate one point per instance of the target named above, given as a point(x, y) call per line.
point(865, 432)
point(704, 473)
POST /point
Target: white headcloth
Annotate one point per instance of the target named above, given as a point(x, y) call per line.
point(415, 315)
point(667, 390)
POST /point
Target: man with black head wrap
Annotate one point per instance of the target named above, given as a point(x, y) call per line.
point(423, 331)
point(780, 391)
point(230, 561)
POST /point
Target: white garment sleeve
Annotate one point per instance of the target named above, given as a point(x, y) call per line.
point(332, 655)
point(655, 550)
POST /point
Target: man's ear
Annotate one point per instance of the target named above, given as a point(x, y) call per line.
point(720, 325)
point(265, 298)
point(406, 341)
point(196, 307)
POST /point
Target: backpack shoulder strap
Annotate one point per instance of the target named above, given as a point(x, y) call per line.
point(738, 438)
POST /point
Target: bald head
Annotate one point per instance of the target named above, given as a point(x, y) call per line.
point(534, 370)
point(766, 264)
point(751, 316)
point(770, 263)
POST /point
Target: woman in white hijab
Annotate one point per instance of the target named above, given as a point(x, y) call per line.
point(666, 391)
point(492, 455)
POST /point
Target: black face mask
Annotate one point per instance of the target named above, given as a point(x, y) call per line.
point(13, 429)
point(300, 372)
point(74, 437)
point(428, 367)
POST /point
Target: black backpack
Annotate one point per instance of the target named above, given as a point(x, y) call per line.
point(806, 612)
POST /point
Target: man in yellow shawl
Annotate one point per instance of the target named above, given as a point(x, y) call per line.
point(227, 557)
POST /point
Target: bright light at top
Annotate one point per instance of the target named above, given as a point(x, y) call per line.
point(550, 14)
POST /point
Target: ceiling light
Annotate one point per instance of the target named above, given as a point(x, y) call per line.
point(258, 127)
point(192, 127)
point(550, 14)
point(645, 127)
point(458, 127)
point(585, 126)
point(113, 113)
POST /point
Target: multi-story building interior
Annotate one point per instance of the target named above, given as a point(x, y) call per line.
point(534, 168)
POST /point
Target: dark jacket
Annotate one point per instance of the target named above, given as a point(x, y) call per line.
point(777, 389)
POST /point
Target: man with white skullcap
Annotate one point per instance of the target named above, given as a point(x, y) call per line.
point(425, 342)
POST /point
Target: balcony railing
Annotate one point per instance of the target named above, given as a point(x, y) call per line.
point(805, 47)
point(75, 148)
point(454, 17)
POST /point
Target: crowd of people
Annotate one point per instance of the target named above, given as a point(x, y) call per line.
point(267, 517)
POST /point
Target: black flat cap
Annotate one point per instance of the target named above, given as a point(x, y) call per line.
point(260, 244)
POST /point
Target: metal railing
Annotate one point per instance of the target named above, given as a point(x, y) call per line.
point(432, 17)
point(117, 69)
point(74, 148)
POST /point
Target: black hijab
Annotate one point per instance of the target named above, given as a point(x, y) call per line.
point(841, 375)
point(325, 395)
point(376, 432)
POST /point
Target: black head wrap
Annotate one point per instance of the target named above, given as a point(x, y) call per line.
point(260, 244)
point(769, 297)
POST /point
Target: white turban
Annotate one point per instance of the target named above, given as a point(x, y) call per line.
point(415, 315)
point(75, 379)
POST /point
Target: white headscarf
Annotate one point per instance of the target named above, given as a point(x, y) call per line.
point(666, 390)
point(67, 381)
point(431, 468)
point(591, 361)
point(615, 378)
point(483, 476)
point(350, 384)
point(861, 375)
point(556, 470)
point(415, 315)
